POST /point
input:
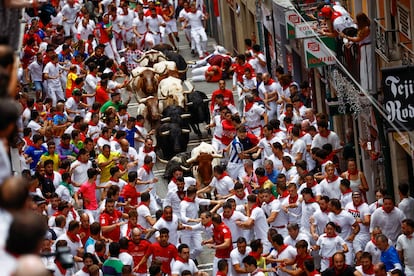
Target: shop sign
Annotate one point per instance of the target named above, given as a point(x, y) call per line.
point(316, 53)
point(398, 88)
point(305, 29)
point(292, 19)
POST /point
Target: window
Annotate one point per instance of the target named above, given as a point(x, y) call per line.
point(404, 25)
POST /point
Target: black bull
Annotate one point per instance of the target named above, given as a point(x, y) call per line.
point(197, 106)
point(173, 134)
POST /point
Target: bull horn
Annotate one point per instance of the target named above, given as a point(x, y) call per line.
point(185, 168)
point(187, 92)
point(206, 100)
point(185, 116)
point(166, 119)
point(143, 100)
point(182, 71)
point(165, 133)
point(162, 160)
point(185, 130)
point(190, 103)
point(217, 155)
point(191, 160)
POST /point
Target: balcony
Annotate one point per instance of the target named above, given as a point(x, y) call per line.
point(407, 54)
point(386, 42)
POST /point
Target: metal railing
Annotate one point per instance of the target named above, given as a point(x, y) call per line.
point(407, 54)
point(386, 44)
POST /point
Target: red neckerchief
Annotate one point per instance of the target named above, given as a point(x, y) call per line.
point(349, 190)
point(139, 124)
point(65, 147)
point(293, 199)
point(144, 150)
point(178, 258)
point(350, 173)
point(314, 273)
point(277, 130)
point(256, 205)
point(282, 248)
point(60, 267)
point(85, 269)
point(222, 176)
point(386, 211)
point(72, 237)
point(369, 271)
point(262, 179)
point(334, 178)
point(146, 168)
point(339, 272)
point(374, 241)
point(51, 177)
point(59, 113)
point(58, 213)
point(269, 82)
point(186, 198)
point(284, 194)
point(271, 199)
point(166, 218)
point(129, 228)
point(173, 179)
point(331, 236)
point(28, 141)
point(312, 200)
point(313, 184)
point(255, 255)
point(248, 106)
point(331, 156)
point(220, 273)
point(143, 203)
point(325, 135)
point(92, 124)
point(208, 224)
point(241, 197)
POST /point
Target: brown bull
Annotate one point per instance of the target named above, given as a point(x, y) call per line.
point(147, 83)
point(151, 112)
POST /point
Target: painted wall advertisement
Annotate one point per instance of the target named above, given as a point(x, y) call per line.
point(398, 88)
point(295, 28)
point(317, 54)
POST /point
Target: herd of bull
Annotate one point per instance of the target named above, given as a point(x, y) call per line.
point(167, 107)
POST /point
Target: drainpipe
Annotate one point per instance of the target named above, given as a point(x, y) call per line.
point(385, 149)
point(259, 22)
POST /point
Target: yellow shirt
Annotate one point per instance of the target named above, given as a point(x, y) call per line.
point(71, 80)
point(105, 174)
point(54, 157)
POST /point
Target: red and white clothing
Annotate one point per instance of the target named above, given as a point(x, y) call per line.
point(390, 223)
point(406, 245)
point(308, 209)
point(266, 146)
point(223, 185)
point(217, 134)
point(163, 255)
point(269, 89)
point(286, 252)
point(282, 218)
point(144, 212)
point(260, 227)
point(221, 233)
point(180, 265)
point(330, 187)
point(366, 272)
point(153, 25)
point(329, 245)
point(235, 230)
point(198, 34)
point(332, 138)
point(171, 225)
point(137, 252)
point(252, 115)
point(107, 219)
point(73, 240)
point(237, 258)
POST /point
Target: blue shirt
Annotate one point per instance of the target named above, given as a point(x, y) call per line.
point(390, 257)
point(273, 176)
point(35, 153)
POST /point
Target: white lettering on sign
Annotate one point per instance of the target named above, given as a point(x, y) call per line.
point(395, 112)
point(406, 88)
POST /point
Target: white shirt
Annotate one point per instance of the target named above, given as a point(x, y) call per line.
point(236, 232)
point(53, 72)
point(143, 213)
point(79, 171)
point(237, 258)
point(360, 212)
point(178, 267)
point(292, 242)
point(344, 220)
point(406, 205)
point(266, 145)
point(70, 13)
point(126, 258)
point(189, 210)
point(260, 224)
point(320, 220)
point(333, 139)
point(374, 251)
point(195, 19)
point(35, 70)
point(406, 245)
point(84, 32)
point(154, 24)
point(390, 223)
point(73, 246)
point(140, 25)
point(253, 116)
point(171, 226)
point(331, 189)
point(289, 253)
point(308, 209)
point(328, 246)
point(143, 175)
point(299, 147)
point(223, 186)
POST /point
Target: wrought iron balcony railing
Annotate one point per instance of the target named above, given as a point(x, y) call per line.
point(386, 42)
point(407, 54)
